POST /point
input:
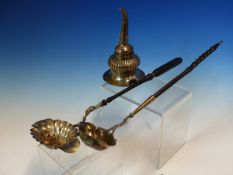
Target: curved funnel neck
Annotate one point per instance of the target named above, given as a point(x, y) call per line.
point(124, 28)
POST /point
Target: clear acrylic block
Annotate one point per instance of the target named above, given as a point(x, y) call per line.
point(157, 132)
point(84, 162)
point(144, 144)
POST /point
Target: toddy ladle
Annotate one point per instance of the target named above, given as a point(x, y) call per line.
point(103, 138)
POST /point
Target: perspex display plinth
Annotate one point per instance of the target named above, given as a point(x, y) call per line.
point(84, 162)
point(144, 144)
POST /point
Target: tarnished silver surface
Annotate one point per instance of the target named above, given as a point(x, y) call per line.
point(56, 134)
point(124, 62)
point(63, 135)
point(96, 137)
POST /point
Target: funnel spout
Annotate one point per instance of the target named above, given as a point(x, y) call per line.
point(124, 27)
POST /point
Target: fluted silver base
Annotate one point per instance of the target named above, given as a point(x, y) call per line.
point(122, 81)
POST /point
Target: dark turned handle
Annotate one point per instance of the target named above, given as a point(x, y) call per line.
point(153, 97)
point(201, 58)
point(157, 72)
point(164, 68)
